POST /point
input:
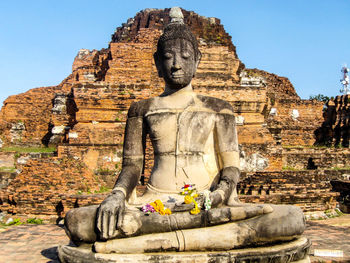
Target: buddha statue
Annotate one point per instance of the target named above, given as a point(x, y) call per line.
point(195, 142)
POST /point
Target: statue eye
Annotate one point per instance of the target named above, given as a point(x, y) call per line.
point(186, 54)
point(168, 55)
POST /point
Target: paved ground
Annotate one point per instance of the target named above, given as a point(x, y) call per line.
point(38, 243)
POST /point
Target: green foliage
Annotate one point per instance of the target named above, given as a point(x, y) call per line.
point(29, 149)
point(319, 97)
point(104, 171)
point(7, 169)
point(339, 213)
point(305, 146)
point(15, 222)
point(340, 168)
point(35, 221)
point(252, 74)
point(289, 168)
point(117, 119)
point(103, 189)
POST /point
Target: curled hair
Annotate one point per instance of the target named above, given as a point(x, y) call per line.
point(175, 31)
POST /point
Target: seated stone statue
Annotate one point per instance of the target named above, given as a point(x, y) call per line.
point(195, 142)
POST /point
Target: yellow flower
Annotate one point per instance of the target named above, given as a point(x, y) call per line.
point(188, 199)
point(195, 210)
point(167, 211)
point(159, 207)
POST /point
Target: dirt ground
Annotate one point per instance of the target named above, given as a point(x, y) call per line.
point(38, 243)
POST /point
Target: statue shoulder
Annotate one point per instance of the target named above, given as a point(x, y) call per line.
point(215, 104)
point(139, 108)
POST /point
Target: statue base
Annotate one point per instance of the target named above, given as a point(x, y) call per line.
point(292, 251)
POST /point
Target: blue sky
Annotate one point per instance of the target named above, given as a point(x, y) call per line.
point(307, 41)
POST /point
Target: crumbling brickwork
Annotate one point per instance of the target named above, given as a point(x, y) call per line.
point(85, 117)
point(308, 189)
point(335, 129)
point(25, 117)
point(49, 187)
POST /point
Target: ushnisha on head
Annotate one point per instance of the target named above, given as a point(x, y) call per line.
point(177, 55)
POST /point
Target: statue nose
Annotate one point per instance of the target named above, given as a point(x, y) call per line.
point(176, 66)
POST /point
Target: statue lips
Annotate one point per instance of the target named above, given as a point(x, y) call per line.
point(177, 75)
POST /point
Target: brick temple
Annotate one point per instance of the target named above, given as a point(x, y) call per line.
point(288, 145)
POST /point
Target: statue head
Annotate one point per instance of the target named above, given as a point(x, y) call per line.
point(177, 55)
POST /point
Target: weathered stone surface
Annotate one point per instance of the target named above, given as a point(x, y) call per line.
point(293, 251)
point(7, 159)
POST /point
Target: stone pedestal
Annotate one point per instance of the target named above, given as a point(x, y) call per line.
point(292, 251)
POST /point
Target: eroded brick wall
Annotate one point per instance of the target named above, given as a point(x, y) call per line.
point(335, 129)
point(45, 185)
point(310, 190)
point(25, 117)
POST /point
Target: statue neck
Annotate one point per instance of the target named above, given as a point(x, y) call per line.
point(177, 92)
point(177, 98)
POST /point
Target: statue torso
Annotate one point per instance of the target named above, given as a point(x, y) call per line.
point(182, 131)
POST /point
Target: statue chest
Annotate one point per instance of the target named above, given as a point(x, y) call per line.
point(180, 132)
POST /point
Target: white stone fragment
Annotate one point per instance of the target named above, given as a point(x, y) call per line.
point(9, 221)
point(83, 52)
point(253, 163)
point(89, 76)
point(116, 158)
point(273, 112)
point(23, 159)
point(58, 129)
point(239, 120)
point(346, 177)
point(176, 15)
point(73, 135)
point(251, 80)
point(17, 130)
point(295, 114)
point(212, 20)
point(107, 158)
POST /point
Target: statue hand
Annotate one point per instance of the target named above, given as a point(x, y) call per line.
point(216, 198)
point(109, 215)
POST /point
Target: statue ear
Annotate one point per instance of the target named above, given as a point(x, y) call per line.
point(158, 64)
point(199, 56)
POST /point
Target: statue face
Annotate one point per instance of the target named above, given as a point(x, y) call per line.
point(177, 63)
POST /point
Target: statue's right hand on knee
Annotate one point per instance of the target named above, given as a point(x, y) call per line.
point(109, 215)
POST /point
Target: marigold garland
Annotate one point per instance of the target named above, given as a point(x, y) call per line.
point(189, 191)
point(156, 206)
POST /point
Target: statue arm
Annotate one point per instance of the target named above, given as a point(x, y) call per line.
point(228, 153)
point(133, 156)
point(110, 211)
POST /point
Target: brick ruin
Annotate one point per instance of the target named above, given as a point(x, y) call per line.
point(84, 118)
point(335, 129)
